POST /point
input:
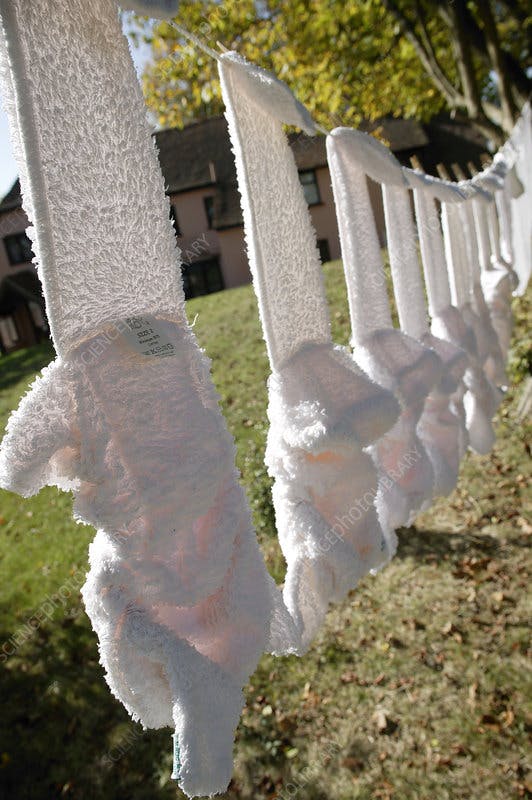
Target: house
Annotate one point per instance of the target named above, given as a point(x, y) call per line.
point(200, 175)
point(22, 317)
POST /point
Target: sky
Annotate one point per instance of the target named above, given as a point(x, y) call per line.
point(8, 169)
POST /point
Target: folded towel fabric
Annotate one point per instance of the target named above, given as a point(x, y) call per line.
point(460, 264)
point(392, 358)
point(475, 398)
point(437, 284)
point(495, 279)
point(475, 309)
point(520, 147)
point(323, 410)
point(127, 416)
point(439, 428)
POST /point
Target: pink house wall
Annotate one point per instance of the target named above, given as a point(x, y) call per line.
point(235, 265)
point(323, 214)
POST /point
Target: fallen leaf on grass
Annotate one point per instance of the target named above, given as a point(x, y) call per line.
point(525, 526)
point(507, 718)
point(353, 764)
point(385, 726)
point(385, 791)
point(489, 722)
point(379, 717)
point(472, 695)
point(443, 761)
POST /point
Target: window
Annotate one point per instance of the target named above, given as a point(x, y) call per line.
point(325, 253)
point(310, 187)
point(202, 277)
point(18, 249)
point(175, 221)
point(208, 204)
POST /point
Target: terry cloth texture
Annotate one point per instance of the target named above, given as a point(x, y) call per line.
point(439, 428)
point(483, 397)
point(474, 400)
point(521, 203)
point(496, 277)
point(475, 309)
point(88, 280)
point(127, 416)
point(323, 410)
point(392, 358)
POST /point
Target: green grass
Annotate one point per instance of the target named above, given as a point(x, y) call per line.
point(416, 688)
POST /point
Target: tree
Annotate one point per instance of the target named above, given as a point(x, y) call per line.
point(353, 59)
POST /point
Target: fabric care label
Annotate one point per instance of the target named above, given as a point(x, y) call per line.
point(148, 336)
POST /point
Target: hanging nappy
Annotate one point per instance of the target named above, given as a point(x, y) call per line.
point(475, 310)
point(474, 399)
point(323, 410)
point(447, 324)
point(498, 278)
point(517, 191)
point(482, 398)
point(495, 279)
point(439, 428)
point(390, 357)
point(127, 416)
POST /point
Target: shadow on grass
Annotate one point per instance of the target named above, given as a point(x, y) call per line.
point(426, 545)
point(61, 732)
point(15, 366)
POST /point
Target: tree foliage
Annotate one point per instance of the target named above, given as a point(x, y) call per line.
point(353, 59)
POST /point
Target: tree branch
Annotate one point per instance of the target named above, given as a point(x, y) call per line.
point(483, 125)
point(431, 53)
point(521, 83)
point(431, 67)
point(494, 51)
point(464, 59)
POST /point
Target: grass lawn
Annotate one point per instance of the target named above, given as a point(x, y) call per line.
point(416, 689)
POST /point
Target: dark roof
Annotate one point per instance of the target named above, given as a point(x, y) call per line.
point(400, 134)
point(195, 156)
point(12, 199)
point(451, 142)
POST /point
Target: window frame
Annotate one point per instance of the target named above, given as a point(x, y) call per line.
point(313, 184)
point(208, 207)
point(20, 241)
point(324, 250)
point(200, 269)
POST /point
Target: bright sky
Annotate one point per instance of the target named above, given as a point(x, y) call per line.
point(8, 169)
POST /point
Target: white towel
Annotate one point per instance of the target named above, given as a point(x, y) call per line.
point(390, 357)
point(521, 203)
point(495, 277)
point(439, 428)
point(477, 402)
point(323, 411)
point(461, 252)
point(475, 309)
point(127, 416)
